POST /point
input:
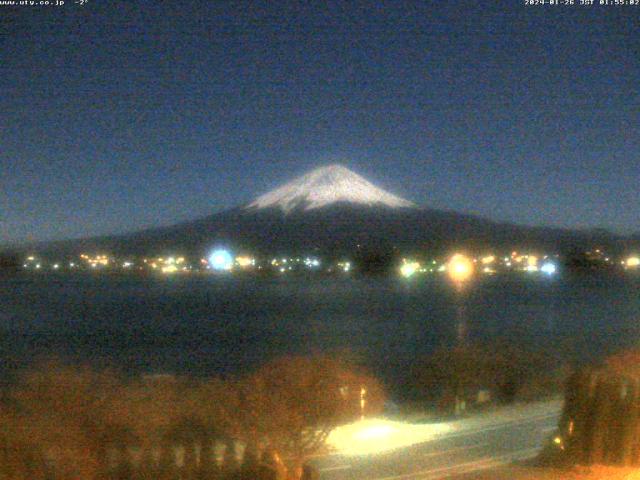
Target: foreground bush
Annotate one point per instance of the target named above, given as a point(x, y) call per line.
point(450, 375)
point(601, 418)
point(63, 422)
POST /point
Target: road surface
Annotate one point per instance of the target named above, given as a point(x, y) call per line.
point(477, 443)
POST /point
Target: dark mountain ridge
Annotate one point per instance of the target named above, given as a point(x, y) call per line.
point(333, 211)
point(341, 228)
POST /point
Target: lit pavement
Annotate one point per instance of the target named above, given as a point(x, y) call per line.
point(451, 449)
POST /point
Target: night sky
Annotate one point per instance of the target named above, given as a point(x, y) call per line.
point(120, 115)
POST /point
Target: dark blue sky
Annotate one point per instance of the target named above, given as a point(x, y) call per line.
point(121, 115)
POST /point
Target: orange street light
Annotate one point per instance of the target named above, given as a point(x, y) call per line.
point(460, 268)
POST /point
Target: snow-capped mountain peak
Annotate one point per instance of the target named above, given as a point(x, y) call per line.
point(324, 186)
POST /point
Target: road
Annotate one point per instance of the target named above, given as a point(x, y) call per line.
point(477, 443)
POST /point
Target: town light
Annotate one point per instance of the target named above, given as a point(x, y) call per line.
point(633, 262)
point(221, 260)
point(409, 268)
point(346, 266)
point(309, 262)
point(245, 262)
point(488, 259)
point(549, 268)
point(460, 268)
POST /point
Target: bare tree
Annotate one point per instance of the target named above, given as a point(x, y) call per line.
point(600, 423)
point(293, 403)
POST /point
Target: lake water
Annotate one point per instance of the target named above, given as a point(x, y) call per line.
point(205, 325)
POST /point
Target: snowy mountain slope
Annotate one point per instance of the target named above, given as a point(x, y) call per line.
point(325, 186)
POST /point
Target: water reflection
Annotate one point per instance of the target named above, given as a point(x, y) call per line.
point(460, 269)
point(461, 295)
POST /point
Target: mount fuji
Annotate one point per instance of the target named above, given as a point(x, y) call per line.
point(334, 211)
point(325, 186)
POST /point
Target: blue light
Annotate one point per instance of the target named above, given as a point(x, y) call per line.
point(221, 260)
point(549, 268)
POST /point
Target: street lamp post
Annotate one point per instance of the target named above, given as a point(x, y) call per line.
point(363, 392)
point(460, 269)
